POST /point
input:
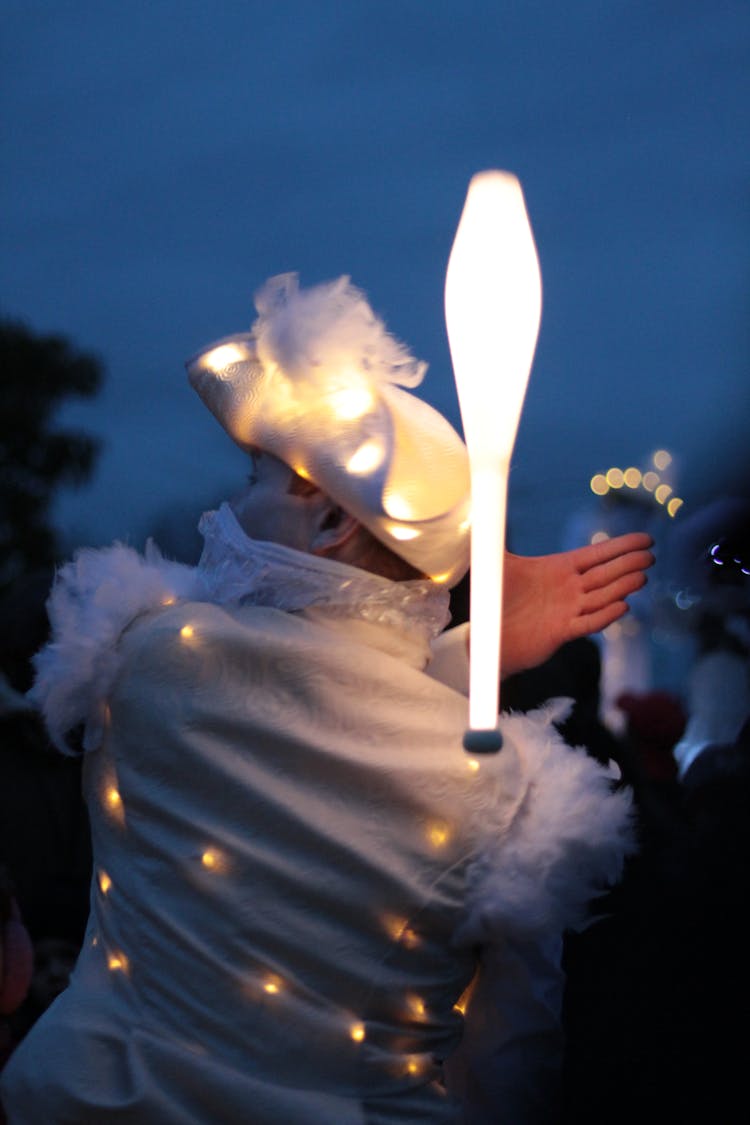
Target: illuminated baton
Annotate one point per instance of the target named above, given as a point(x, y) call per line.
point(493, 303)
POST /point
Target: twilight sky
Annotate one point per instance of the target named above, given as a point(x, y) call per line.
point(162, 159)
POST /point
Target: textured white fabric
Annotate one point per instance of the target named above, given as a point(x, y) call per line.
point(99, 593)
point(296, 868)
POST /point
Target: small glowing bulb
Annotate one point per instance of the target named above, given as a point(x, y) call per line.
point(214, 860)
point(662, 492)
point(113, 798)
point(416, 1006)
point(598, 485)
point(650, 480)
point(224, 356)
point(170, 599)
point(186, 632)
point(599, 537)
point(397, 506)
point(414, 1066)
point(351, 403)
point(271, 987)
point(357, 1032)
point(438, 835)
point(632, 477)
point(104, 882)
point(393, 926)
point(472, 764)
point(403, 533)
point(662, 459)
point(615, 478)
point(674, 505)
point(117, 963)
point(465, 525)
point(368, 457)
point(441, 578)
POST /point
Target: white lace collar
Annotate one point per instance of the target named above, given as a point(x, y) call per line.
point(235, 568)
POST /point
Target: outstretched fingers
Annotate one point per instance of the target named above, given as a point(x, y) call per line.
point(608, 549)
point(588, 623)
point(605, 573)
point(615, 590)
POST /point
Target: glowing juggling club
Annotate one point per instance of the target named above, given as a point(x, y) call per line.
point(493, 303)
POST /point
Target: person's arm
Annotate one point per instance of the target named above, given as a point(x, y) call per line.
point(509, 1063)
point(551, 599)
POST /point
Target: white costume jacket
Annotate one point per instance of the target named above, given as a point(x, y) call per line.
point(298, 870)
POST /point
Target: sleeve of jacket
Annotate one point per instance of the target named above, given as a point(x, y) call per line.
point(534, 876)
point(509, 1064)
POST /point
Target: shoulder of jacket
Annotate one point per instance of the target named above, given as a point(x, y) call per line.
point(94, 598)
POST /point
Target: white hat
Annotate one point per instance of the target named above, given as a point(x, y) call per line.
point(315, 384)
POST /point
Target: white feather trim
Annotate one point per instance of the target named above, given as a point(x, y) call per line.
point(94, 598)
point(330, 327)
point(565, 845)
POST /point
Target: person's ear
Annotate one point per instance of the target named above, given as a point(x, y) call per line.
point(335, 529)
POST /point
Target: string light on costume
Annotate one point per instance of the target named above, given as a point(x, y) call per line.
point(273, 985)
point(464, 999)
point(214, 860)
point(105, 883)
point(357, 1032)
point(113, 802)
point(438, 835)
point(399, 931)
point(118, 963)
point(416, 1006)
point(187, 632)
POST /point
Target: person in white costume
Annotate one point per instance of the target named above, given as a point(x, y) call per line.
point(309, 904)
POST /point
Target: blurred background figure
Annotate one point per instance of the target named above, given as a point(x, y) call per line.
point(44, 833)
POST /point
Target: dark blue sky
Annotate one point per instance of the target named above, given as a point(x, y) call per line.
point(162, 159)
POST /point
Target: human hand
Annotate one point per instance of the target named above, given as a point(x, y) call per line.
point(549, 600)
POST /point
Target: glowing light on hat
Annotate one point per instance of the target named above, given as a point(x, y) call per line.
point(224, 356)
point(493, 300)
point(369, 456)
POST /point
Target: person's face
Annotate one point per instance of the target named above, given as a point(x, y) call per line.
point(277, 506)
